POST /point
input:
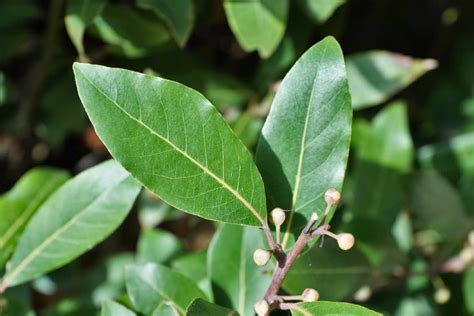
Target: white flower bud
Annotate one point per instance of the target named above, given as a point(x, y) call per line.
point(470, 238)
point(442, 295)
point(332, 196)
point(310, 295)
point(278, 216)
point(467, 255)
point(363, 294)
point(261, 257)
point(345, 241)
point(261, 308)
point(314, 217)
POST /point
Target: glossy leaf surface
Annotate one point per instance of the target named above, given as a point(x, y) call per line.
point(236, 280)
point(304, 145)
point(332, 308)
point(336, 274)
point(19, 204)
point(257, 24)
point(66, 225)
point(174, 142)
point(150, 285)
point(200, 307)
point(375, 76)
point(177, 14)
point(79, 14)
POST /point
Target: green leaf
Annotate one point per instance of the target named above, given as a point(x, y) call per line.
point(451, 159)
point(237, 282)
point(200, 307)
point(150, 285)
point(305, 141)
point(432, 197)
point(257, 24)
point(375, 76)
point(384, 157)
point(468, 289)
point(165, 310)
point(177, 14)
point(335, 273)
point(331, 308)
point(321, 10)
point(66, 225)
point(111, 308)
point(194, 266)
point(132, 31)
point(79, 14)
point(157, 246)
point(153, 211)
point(176, 143)
point(22, 201)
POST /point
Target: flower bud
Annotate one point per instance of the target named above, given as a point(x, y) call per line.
point(261, 257)
point(363, 294)
point(442, 295)
point(466, 255)
point(332, 196)
point(314, 217)
point(278, 216)
point(470, 238)
point(345, 241)
point(261, 308)
point(310, 295)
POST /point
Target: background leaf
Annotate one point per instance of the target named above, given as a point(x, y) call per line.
point(305, 141)
point(200, 307)
point(257, 24)
point(110, 308)
point(66, 224)
point(321, 10)
point(334, 273)
point(468, 289)
point(177, 14)
point(158, 246)
point(212, 174)
point(19, 204)
point(151, 285)
point(79, 14)
point(333, 308)
point(237, 282)
point(194, 266)
point(375, 76)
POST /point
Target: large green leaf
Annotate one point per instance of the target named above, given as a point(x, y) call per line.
point(177, 14)
point(151, 285)
point(331, 308)
point(237, 282)
point(20, 203)
point(336, 274)
point(384, 157)
point(110, 308)
point(305, 141)
point(174, 142)
point(257, 24)
point(437, 206)
point(67, 225)
point(79, 14)
point(375, 76)
point(321, 10)
point(200, 307)
point(158, 246)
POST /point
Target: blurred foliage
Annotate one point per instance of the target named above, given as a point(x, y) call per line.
point(409, 191)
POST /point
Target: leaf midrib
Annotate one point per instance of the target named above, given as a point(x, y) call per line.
point(182, 152)
point(54, 236)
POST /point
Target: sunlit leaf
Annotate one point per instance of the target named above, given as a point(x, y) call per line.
point(321, 10)
point(331, 308)
point(304, 145)
point(111, 308)
point(173, 141)
point(200, 307)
